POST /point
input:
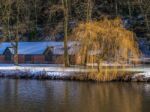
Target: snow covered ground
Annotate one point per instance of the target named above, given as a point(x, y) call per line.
point(60, 67)
point(58, 71)
point(42, 71)
point(41, 67)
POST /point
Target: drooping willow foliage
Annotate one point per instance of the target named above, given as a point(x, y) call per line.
point(105, 41)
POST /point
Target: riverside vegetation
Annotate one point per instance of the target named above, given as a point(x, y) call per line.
point(101, 37)
point(105, 41)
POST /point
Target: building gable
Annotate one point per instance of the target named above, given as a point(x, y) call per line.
point(8, 55)
point(7, 51)
point(48, 53)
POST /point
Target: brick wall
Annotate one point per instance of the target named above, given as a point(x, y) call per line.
point(58, 59)
point(2, 59)
point(38, 59)
point(21, 59)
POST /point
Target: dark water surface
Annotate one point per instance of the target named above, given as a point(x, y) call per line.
point(67, 96)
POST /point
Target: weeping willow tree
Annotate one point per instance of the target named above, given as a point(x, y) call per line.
point(105, 41)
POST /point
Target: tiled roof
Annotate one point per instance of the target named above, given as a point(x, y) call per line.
point(35, 47)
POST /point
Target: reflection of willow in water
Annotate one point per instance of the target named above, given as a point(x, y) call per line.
point(95, 97)
point(100, 98)
point(115, 98)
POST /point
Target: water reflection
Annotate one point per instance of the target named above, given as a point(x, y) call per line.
point(66, 96)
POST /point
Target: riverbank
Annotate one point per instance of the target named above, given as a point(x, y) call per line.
point(58, 72)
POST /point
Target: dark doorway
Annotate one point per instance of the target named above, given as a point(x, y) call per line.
point(8, 55)
point(28, 58)
point(49, 57)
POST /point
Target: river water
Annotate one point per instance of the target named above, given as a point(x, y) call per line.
point(67, 96)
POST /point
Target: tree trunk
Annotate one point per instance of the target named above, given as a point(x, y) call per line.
point(16, 51)
point(86, 57)
point(88, 19)
point(16, 37)
point(66, 56)
point(89, 10)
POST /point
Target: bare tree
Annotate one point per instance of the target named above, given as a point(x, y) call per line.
point(13, 23)
point(64, 7)
point(88, 19)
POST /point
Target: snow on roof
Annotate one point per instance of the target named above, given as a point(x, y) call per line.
point(3, 46)
point(60, 51)
point(72, 49)
point(11, 50)
point(35, 47)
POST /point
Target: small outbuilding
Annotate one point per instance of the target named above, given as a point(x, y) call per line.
point(35, 52)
